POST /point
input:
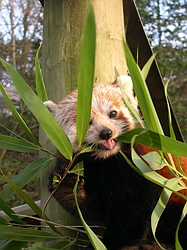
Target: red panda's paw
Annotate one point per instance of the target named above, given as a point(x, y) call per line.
point(64, 192)
point(54, 179)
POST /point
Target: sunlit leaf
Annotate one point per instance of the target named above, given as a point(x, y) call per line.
point(171, 184)
point(40, 86)
point(86, 77)
point(155, 161)
point(172, 134)
point(147, 66)
point(142, 93)
point(42, 114)
point(152, 175)
point(155, 140)
point(132, 109)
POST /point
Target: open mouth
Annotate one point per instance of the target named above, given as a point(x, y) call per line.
point(108, 144)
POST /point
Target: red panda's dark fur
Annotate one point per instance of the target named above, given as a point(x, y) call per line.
point(111, 193)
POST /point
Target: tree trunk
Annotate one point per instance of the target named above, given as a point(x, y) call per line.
point(12, 12)
point(110, 31)
point(63, 31)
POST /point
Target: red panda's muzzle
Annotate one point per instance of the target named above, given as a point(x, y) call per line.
point(108, 144)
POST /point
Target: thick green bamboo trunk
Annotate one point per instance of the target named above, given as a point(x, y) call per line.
point(63, 31)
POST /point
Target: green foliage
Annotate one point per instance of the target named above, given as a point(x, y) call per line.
point(155, 140)
point(165, 25)
point(153, 136)
point(96, 243)
point(12, 164)
point(86, 77)
point(141, 90)
point(42, 114)
point(10, 244)
point(25, 176)
point(15, 144)
point(26, 234)
point(40, 86)
point(17, 115)
point(147, 169)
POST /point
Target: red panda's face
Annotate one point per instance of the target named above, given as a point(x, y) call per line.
point(109, 116)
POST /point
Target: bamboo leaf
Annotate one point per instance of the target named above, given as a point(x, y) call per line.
point(17, 145)
point(3, 221)
point(26, 234)
point(42, 114)
point(177, 243)
point(18, 117)
point(132, 109)
point(155, 140)
point(172, 133)
point(152, 175)
point(147, 66)
point(40, 86)
point(26, 198)
point(161, 205)
point(86, 77)
point(63, 245)
point(78, 169)
point(142, 93)
point(5, 208)
point(171, 185)
point(26, 175)
point(28, 201)
point(146, 171)
point(155, 161)
point(12, 245)
point(96, 243)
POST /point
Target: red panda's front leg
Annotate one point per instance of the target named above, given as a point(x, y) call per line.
point(64, 192)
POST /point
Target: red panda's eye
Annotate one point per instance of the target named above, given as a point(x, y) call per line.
point(113, 114)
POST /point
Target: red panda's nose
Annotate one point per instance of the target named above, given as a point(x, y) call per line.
point(105, 134)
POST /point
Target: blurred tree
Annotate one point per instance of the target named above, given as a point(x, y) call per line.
point(166, 26)
point(20, 34)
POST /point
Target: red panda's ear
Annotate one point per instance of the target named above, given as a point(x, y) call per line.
point(52, 106)
point(125, 83)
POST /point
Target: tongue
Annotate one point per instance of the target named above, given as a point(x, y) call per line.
point(109, 144)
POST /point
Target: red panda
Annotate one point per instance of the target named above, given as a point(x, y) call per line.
point(111, 193)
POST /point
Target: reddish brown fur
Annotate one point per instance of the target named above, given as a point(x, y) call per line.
point(111, 192)
point(143, 149)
